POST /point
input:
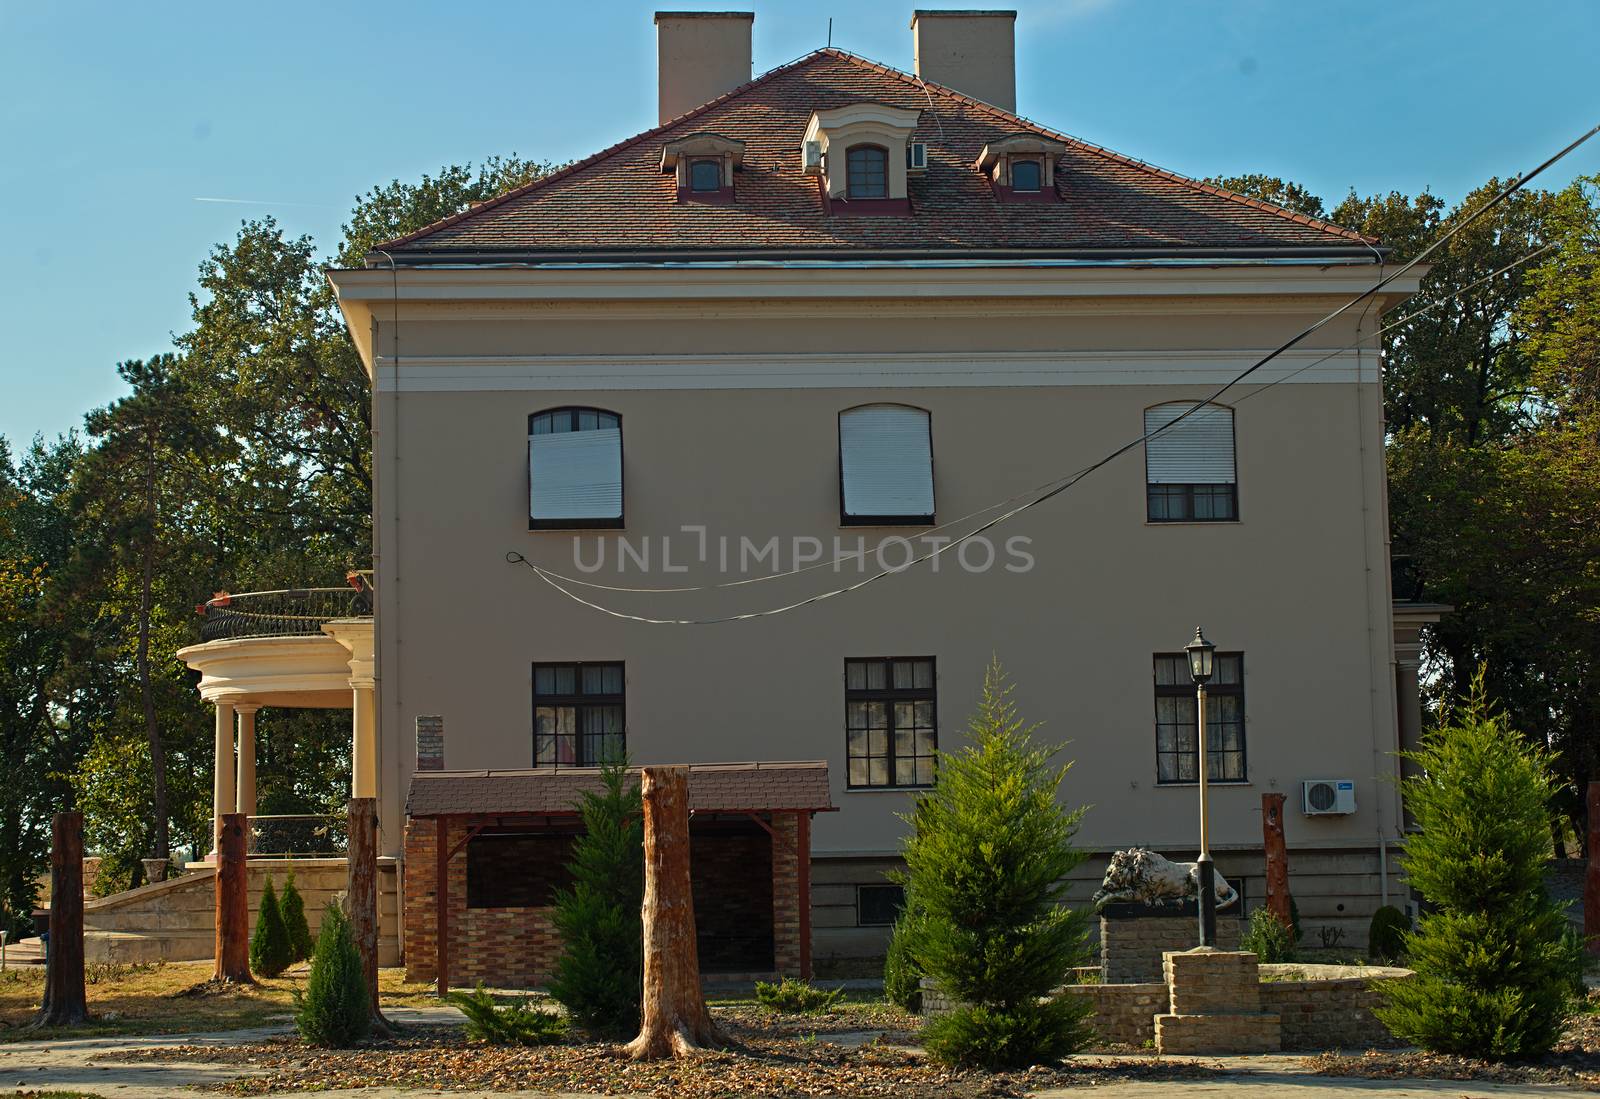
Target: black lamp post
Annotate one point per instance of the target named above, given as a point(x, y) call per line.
point(1202, 654)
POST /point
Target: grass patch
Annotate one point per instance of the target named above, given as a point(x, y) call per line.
point(171, 998)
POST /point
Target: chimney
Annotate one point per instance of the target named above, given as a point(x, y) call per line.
point(701, 54)
point(972, 52)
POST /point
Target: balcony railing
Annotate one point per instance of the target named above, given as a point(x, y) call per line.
point(293, 612)
point(299, 834)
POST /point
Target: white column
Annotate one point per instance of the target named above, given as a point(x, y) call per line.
point(247, 760)
point(222, 793)
point(363, 741)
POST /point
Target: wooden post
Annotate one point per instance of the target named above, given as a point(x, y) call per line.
point(802, 871)
point(675, 1017)
point(233, 900)
point(64, 1002)
point(1277, 856)
point(1591, 880)
point(362, 897)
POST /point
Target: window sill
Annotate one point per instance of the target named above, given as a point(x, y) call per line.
point(575, 526)
point(859, 521)
point(1209, 783)
point(887, 789)
point(1192, 522)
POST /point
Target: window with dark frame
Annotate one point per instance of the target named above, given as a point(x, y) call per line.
point(518, 870)
point(1190, 467)
point(1192, 503)
point(867, 171)
point(579, 719)
point(1027, 174)
point(879, 905)
point(891, 721)
point(574, 469)
point(705, 174)
point(1177, 751)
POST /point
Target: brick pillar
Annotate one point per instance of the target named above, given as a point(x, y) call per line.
point(419, 905)
point(786, 953)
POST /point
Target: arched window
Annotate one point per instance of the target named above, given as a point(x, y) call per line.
point(885, 465)
point(1189, 467)
point(867, 171)
point(705, 174)
point(574, 469)
point(1027, 174)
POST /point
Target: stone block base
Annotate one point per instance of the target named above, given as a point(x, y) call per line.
point(1253, 1033)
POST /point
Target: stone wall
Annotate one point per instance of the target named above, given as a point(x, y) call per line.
point(1131, 948)
point(1328, 1012)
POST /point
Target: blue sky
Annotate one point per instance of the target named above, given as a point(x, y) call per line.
point(116, 119)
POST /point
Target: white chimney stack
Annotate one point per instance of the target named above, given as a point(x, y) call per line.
point(700, 55)
point(972, 52)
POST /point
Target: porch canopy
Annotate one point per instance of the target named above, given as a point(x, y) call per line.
point(730, 805)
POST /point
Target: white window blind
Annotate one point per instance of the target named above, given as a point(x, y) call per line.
point(575, 474)
point(886, 454)
point(1196, 451)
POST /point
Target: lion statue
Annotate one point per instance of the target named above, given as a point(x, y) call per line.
point(1141, 876)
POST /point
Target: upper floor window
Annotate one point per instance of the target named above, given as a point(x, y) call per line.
point(1189, 465)
point(867, 171)
point(578, 714)
point(1027, 174)
point(885, 465)
point(574, 469)
point(705, 174)
point(891, 729)
point(1177, 748)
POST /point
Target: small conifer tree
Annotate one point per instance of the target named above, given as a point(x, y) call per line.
point(1492, 964)
point(599, 976)
point(334, 1010)
point(293, 908)
point(986, 869)
point(271, 952)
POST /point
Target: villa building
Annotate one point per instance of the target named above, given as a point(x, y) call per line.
point(721, 385)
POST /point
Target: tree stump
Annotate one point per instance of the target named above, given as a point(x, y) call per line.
point(362, 898)
point(64, 1001)
point(1277, 853)
point(675, 1019)
point(233, 901)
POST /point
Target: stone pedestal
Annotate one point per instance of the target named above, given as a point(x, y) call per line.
point(1214, 1005)
point(1135, 937)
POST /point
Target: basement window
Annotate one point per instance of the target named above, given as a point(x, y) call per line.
point(879, 905)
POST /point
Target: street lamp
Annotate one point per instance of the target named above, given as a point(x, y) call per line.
point(1202, 658)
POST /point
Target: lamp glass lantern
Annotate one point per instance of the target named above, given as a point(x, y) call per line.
point(1202, 658)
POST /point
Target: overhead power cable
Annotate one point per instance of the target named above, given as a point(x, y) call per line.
point(1068, 482)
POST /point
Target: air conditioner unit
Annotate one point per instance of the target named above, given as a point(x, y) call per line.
point(811, 159)
point(1322, 797)
point(917, 157)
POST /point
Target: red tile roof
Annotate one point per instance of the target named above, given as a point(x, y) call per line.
point(619, 202)
point(713, 788)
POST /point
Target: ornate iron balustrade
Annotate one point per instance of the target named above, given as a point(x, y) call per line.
point(299, 835)
point(294, 612)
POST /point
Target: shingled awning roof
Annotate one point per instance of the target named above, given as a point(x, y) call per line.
point(618, 201)
point(713, 788)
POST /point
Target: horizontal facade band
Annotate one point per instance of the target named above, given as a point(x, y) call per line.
point(434, 373)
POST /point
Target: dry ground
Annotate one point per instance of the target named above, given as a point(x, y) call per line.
point(170, 998)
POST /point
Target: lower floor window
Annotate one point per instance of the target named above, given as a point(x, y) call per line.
point(1177, 747)
point(517, 870)
point(1193, 503)
point(878, 905)
point(891, 732)
point(578, 714)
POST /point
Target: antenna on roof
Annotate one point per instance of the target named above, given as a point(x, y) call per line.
point(830, 32)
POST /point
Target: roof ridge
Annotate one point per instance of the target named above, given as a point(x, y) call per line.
point(578, 165)
point(1101, 150)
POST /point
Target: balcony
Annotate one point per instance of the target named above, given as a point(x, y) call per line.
point(292, 612)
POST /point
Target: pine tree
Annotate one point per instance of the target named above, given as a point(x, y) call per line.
point(334, 1010)
point(1492, 963)
point(986, 869)
point(600, 974)
point(293, 908)
point(271, 951)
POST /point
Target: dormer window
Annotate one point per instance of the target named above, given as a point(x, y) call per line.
point(859, 155)
point(705, 175)
point(867, 172)
point(703, 166)
point(1022, 168)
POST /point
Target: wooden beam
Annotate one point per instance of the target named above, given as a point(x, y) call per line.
point(233, 901)
point(64, 1002)
point(362, 897)
point(1277, 854)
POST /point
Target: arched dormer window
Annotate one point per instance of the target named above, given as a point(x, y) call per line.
point(867, 171)
point(885, 465)
point(574, 469)
point(1189, 466)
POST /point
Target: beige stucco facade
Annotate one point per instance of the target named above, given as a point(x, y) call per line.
point(729, 383)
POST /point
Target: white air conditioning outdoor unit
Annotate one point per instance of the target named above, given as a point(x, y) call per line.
point(1322, 797)
point(811, 158)
point(917, 157)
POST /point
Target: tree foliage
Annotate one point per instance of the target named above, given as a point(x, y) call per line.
point(987, 862)
point(1491, 954)
point(271, 948)
point(1279, 192)
point(334, 1010)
